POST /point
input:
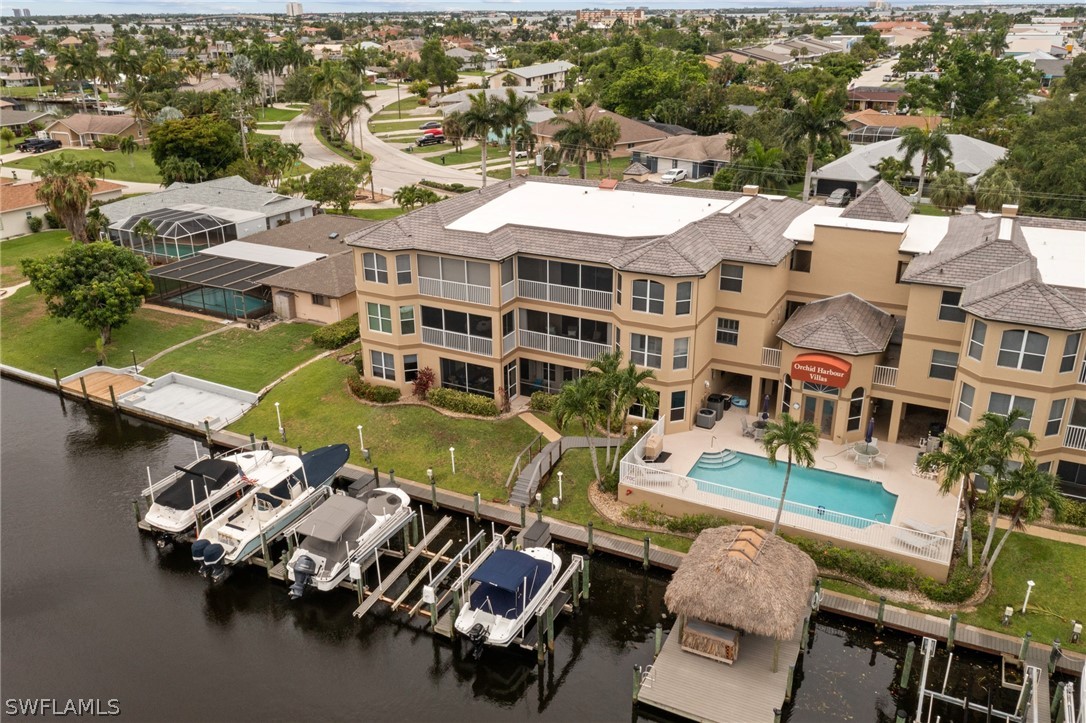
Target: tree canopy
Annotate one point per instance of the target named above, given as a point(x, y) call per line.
point(203, 143)
point(335, 185)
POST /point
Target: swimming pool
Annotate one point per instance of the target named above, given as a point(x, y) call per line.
point(811, 492)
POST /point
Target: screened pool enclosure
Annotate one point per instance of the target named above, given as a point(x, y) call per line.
point(224, 287)
point(170, 234)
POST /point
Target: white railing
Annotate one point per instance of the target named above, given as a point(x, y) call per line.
point(509, 342)
point(455, 340)
point(509, 292)
point(455, 290)
point(562, 345)
point(569, 295)
point(1075, 437)
point(817, 520)
point(885, 376)
point(771, 357)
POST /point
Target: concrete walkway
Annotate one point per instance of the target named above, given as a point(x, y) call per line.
point(1038, 531)
point(540, 426)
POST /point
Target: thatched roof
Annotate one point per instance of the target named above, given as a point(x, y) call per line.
point(744, 578)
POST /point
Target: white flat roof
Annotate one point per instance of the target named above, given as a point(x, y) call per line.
point(924, 234)
point(589, 210)
point(1060, 254)
point(261, 254)
point(803, 226)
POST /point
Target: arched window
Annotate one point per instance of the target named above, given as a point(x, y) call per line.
point(855, 409)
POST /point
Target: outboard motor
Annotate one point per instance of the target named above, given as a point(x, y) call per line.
point(304, 568)
point(213, 557)
point(198, 548)
point(164, 543)
point(477, 635)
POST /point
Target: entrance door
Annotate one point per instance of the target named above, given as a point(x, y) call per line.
point(820, 413)
point(826, 420)
point(511, 379)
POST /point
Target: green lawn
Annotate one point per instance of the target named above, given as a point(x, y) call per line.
point(318, 409)
point(276, 126)
point(345, 154)
point(276, 114)
point(404, 104)
point(139, 167)
point(300, 168)
point(411, 125)
point(468, 155)
point(32, 341)
point(436, 148)
point(28, 91)
point(28, 247)
point(926, 209)
point(240, 357)
point(376, 214)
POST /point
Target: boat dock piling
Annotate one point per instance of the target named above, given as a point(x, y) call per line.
point(373, 597)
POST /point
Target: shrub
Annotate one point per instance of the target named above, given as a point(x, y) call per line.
point(423, 383)
point(959, 587)
point(359, 364)
point(1073, 513)
point(51, 220)
point(866, 566)
point(108, 143)
point(645, 515)
point(451, 187)
point(338, 334)
point(463, 402)
point(378, 393)
point(35, 223)
point(694, 524)
point(542, 402)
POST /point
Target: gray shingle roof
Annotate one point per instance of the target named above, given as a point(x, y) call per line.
point(232, 192)
point(636, 169)
point(969, 155)
point(535, 71)
point(332, 276)
point(844, 324)
point(970, 251)
point(691, 148)
point(879, 203)
point(754, 234)
point(1017, 295)
point(312, 234)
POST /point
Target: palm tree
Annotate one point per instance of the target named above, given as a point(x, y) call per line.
point(344, 102)
point(891, 170)
point(811, 122)
point(800, 439)
point(949, 190)
point(605, 134)
point(137, 100)
point(34, 65)
point(575, 136)
point(630, 390)
point(933, 145)
point(453, 125)
point(512, 111)
point(760, 166)
point(580, 400)
point(66, 190)
point(1000, 439)
point(478, 120)
point(996, 187)
point(1035, 491)
point(605, 368)
point(958, 459)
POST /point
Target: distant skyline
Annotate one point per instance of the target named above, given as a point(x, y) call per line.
point(261, 7)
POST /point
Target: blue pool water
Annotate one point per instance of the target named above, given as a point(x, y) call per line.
point(808, 489)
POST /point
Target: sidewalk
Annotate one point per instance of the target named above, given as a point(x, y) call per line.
point(540, 426)
point(1047, 533)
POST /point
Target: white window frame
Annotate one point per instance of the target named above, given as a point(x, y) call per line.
point(683, 305)
point(730, 279)
point(1014, 403)
point(951, 311)
point(725, 334)
point(379, 316)
point(382, 365)
point(407, 316)
point(964, 405)
point(1055, 418)
point(648, 302)
point(1020, 352)
point(677, 413)
point(374, 267)
point(403, 269)
point(644, 356)
point(946, 363)
point(681, 352)
point(976, 341)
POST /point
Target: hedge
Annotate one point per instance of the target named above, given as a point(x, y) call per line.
point(338, 334)
point(451, 187)
point(378, 393)
point(463, 402)
point(34, 223)
point(1073, 513)
point(686, 524)
point(866, 566)
point(542, 402)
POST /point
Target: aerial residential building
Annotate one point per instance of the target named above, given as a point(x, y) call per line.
point(544, 78)
point(81, 130)
point(837, 315)
point(630, 16)
point(633, 134)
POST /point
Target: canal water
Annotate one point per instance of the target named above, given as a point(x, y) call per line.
point(90, 610)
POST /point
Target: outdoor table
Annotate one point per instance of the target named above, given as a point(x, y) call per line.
point(865, 453)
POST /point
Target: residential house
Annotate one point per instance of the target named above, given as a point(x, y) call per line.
point(460, 101)
point(81, 130)
point(544, 77)
point(633, 133)
point(19, 120)
point(699, 156)
point(19, 202)
point(877, 98)
point(871, 126)
point(837, 315)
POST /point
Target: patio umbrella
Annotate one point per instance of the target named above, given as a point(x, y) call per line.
point(765, 407)
point(870, 430)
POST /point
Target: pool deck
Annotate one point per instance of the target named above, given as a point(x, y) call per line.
point(918, 498)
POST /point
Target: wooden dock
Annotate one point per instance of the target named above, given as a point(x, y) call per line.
point(698, 688)
point(98, 384)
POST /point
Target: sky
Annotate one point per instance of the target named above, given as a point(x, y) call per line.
point(200, 7)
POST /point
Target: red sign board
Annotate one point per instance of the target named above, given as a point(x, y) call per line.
point(821, 369)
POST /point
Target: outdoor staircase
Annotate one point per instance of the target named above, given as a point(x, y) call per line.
point(527, 484)
point(719, 460)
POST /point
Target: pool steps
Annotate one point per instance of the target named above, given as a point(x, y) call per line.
point(719, 460)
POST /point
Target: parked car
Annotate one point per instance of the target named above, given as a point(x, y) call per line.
point(433, 132)
point(382, 81)
point(430, 140)
point(28, 145)
point(430, 124)
point(839, 198)
point(520, 154)
point(887, 78)
point(675, 174)
point(38, 145)
point(48, 144)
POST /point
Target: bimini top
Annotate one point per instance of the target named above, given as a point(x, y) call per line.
point(329, 521)
point(506, 570)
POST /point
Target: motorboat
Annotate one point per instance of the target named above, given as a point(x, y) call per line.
point(282, 491)
point(205, 485)
point(342, 530)
point(507, 590)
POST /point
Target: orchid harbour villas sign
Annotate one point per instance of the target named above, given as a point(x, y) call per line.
point(821, 369)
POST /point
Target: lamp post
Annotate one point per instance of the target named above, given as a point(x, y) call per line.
point(430, 474)
point(279, 420)
point(361, 444)
point(560, 496)
point(452, 456)
point(1029, 589)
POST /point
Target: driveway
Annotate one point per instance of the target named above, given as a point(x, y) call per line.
point(302, 130)
point(872, 77)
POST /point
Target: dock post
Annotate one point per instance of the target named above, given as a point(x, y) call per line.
point(585, 581)
point(953, 629)
point(1058, 696)
point(659, 641)
point(804, 634)
point(1054, 656)
point(900, 717)
point(415, 528)
point(882, 612)
point(776, 655)
point(433, 617)
point(252, 440)
point(1027, 694)
point(591, 546)
point(391, 476)
point(1060, 712)
point(406, 545)
point(523, 516)
point(476, 506)
point(264, 549)
point(907, 668)
point(576, 589)
point(83, 384)
point(817, 594)
point(136, 510)
point(1025, 645)
point(550, 628)
point(433, 494)
point(541, 640)
point(299, 447)
point(645, 561)
point(539, 511)
point(455, 609)
point(788, 683)
point(113, 399)
point(264, 443)
point(636, 682)
point(207, 432)
point(56, 376)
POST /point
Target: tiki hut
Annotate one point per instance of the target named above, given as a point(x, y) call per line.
point(743, 579)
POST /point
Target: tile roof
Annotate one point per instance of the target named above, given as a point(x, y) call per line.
point(24, 195)
point(332, 276)
point(1017, 295)
point(231, 192)
point(971, 250)
point(844, 324)
point(752, 233)
point(636, 169)
point(878, 94)
point(692, 148)
point(879, 203)
point(969, 155)
point(92, 123)
point(631, 131)
point(873, 118)
point(312, 234)
point(21, 117)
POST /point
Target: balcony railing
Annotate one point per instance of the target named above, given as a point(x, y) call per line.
point(509, 342)
point(455, 290)
point(481, 345)
point(562, 345)
point(569, 295)
point(885, 376)
point(771, 357)
point(509, 291)
point(1075, 437)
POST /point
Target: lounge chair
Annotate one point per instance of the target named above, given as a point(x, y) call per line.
point(748, 431)
point(880, 460)
point(923, 527)
point(923, 544)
